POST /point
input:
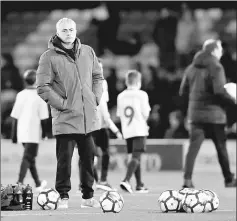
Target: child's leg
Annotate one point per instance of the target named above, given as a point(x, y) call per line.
point(95, 169)
point(132, 165)
point(24, 165)
point(137, 174)
point(138, 144)
point(28, 161)
point(104, 144)
point(33, 150)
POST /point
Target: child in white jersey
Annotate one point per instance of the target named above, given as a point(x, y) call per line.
point(29, 115)
point(133, 109)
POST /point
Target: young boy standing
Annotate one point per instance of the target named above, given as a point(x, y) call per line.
point(133, 109)
point(29, 115)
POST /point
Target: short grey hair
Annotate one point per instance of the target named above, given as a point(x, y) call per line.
point(64, 20)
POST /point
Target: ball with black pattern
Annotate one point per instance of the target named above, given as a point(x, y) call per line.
point(212, 202)
point(169, 201)
point(48, 199)
point(195, 202)
point(111, 202)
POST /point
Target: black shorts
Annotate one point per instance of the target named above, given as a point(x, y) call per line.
point(136, 144)
point(101, 139)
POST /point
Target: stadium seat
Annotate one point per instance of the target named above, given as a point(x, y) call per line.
point(135, 17)
point(72, 13)
point(23, 63)
point(151, 16)
point(100, 13)
point(28, 17)
point(56, 14)
point(46, 27)
point(42, 15)
point(14, 16)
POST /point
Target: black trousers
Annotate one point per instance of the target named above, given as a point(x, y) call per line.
point(28, 162)
point(216, 132)
point(101, 138)
point(65, 144)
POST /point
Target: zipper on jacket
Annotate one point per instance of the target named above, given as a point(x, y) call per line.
point(82, 99)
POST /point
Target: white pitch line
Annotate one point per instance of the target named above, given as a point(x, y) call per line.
point(49, 214)
point(73, 213)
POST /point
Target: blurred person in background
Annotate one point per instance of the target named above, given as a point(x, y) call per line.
point(228, 63)
point(69, 78)
point(109, 39)
point(155, 129)
point(11, 84)
point(177, 128)
point(187, 36)
point(164, 35)
point(29, 115)
point(133, 109)
point(101, 139)
point(203, 86)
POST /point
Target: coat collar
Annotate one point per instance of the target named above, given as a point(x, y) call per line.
point(54, 43)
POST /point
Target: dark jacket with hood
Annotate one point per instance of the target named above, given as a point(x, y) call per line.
point(71, 83)
point(203, 84)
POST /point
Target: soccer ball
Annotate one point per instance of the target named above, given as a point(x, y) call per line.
point(111, 201)
point(48, 199)
point(231, 89)
point(212, 202)
point(169, 201)
point(195, 202)
point(182, 193)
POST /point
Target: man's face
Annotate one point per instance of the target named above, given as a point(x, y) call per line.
point(67, 32)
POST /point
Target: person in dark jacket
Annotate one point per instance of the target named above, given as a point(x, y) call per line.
point(69, 78)
point(177, 128)
point(11, 84)
point(203, 85)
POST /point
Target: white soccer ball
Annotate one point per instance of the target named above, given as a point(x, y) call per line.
point(111, 201)
point(48, 199)
point(169, 201)
point(195, 202)
point(231, 89)
point(182, 193)
point(212, 202)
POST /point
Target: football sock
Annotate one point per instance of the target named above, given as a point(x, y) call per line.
point(105, 166)
point(132, 166)
point(137, 174)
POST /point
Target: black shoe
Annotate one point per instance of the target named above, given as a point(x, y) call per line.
point(231, 184)
point(142, 189)
point(188, 184)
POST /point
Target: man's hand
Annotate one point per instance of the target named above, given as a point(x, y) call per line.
point(119, 135)
point(14, 140)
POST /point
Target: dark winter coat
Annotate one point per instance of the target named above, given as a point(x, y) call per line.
point(72, 88)
point(203, 84)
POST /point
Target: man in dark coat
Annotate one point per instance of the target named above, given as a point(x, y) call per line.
point(203, 86)
point(69, 78)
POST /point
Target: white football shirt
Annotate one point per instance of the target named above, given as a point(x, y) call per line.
point(29, 109)
point(231, 89)
point(133, 109)
point(103, 111)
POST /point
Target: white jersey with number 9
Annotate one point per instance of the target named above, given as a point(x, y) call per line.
point(133, 109)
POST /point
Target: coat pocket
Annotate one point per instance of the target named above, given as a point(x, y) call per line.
point(55, 115)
